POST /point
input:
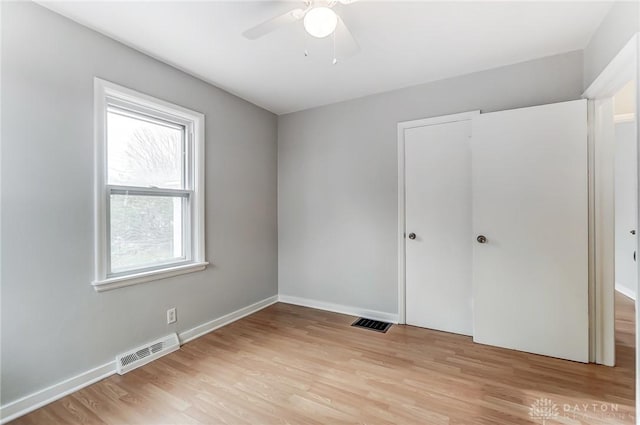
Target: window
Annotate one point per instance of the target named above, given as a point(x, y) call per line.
point(149, 188)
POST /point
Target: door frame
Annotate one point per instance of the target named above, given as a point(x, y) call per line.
point(402, 127)
point(622, 68)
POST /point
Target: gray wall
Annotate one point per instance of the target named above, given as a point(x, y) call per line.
point(616, 29)
point(54, 325)
point(337, 176)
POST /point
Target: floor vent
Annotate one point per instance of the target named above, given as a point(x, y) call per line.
point(374, 325)
point(142, 355)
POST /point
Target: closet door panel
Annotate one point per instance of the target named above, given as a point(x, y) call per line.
point(438, 227)
point(530, 206)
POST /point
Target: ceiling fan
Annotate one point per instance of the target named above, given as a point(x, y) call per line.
point(320, 21)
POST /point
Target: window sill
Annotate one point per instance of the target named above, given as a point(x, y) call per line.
point(133, 279)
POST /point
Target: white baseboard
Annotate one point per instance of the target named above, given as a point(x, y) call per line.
point(205, 328)
point(24, 405)
point(626, 291)
point(338, 308)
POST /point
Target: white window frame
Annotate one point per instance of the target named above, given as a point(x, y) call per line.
point(106, 94)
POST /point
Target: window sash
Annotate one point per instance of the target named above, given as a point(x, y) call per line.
point(136, 108)
point(187, 236)
point(147, 191)
point(132, 112)
point(138, 112)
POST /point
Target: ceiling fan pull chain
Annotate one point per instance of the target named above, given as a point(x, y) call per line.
point(306, 44)
point(335, 59)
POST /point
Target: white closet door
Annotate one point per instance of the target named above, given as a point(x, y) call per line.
point(530, 277)
point(438, 226)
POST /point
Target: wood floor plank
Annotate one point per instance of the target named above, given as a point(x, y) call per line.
point(295, 365)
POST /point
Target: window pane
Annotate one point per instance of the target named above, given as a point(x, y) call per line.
point(145, 231)
point(143, 152)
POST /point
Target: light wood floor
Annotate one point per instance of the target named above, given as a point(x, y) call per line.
point(289, 364)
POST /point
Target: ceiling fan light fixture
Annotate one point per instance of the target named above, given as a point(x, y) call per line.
point(320, 22)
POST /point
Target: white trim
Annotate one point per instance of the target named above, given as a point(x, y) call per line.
point(591, 249)
point(621, 69)
point(24, 405)
point(402, 304)
point(339, 308)
point(617, 73)
point(205, 328)
point(105, 93)
point(602, 196)
point(443, 119)
point(133, 279)
point(31, 402)
point(100, 179)
point(402, 127)
point(129, 95)
point(629, 293)
point(619, 118)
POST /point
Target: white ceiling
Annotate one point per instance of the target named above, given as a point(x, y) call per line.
point(402, 43)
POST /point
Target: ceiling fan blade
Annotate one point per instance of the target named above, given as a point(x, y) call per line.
point(346, 44)
point(273, 24)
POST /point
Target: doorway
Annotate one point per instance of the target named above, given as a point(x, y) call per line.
point(614, 176)
point(626, 220)
point(626, 191)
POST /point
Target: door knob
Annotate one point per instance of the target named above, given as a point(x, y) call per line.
point(481, 239)
point(633, 232)
point(412, 236)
